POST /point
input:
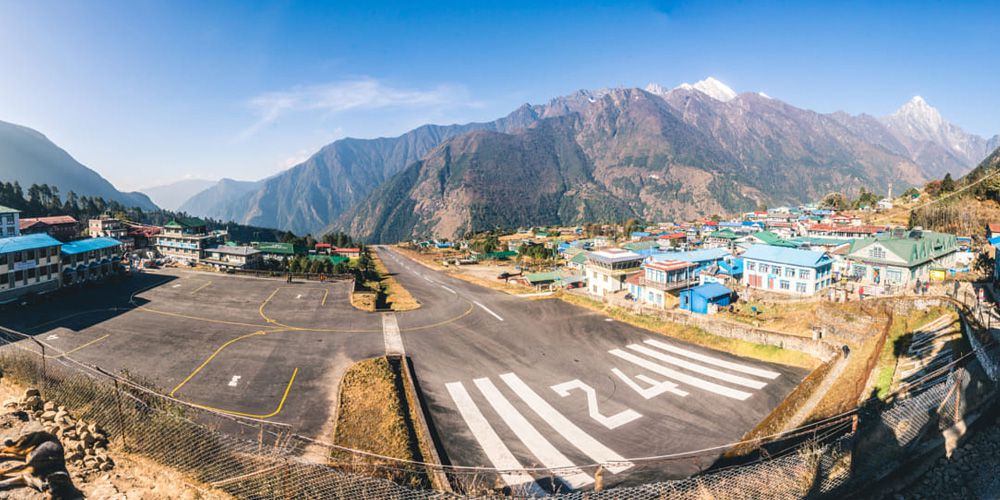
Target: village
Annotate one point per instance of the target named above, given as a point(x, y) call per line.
point(784, 254)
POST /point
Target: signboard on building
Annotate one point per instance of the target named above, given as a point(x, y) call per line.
point(22, 266)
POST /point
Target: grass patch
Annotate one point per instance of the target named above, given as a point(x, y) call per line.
point(364, 300)
point(373, 416)
point(796, 318)
point(898, 341)
point(769, 353)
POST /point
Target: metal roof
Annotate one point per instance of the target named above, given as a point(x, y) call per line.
point(27, 242)
point(90, 244)
point(7, 210)
point(783, 255)
point(701, 255)
point(710, 290)
point(234, 250)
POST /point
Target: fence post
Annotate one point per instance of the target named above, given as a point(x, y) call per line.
point(121, 414)
point(44, 369)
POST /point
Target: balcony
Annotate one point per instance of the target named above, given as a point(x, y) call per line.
point(669, 286)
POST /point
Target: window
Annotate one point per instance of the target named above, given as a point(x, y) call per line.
point(789, 272)
point(776, 270)
point(3, 260)
point(800, 287)
point(785, 285)
point(18, 275)
point(763, 267)
point(803, 274)
point(751, 265)
point(54, 269)
point(29, 255)
point(876, 252)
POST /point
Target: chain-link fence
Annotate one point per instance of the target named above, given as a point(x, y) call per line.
point(249, 458)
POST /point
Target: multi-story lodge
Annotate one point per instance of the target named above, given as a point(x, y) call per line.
point(186, 239)
point(28, 264)
point(786, 270)
point(9, 222)
point(901, 258)
point(61, 227)
point(607, 269)
point(658, 277)
point(90, 259)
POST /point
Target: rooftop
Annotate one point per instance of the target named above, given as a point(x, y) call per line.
point(614, 255)
point(711, 290)
point(668, 265)
point(7, 210)
point(89, 245)
point(27, 242)
point(244, 251)
point(185, 223)
point(702, 255)
point(789, 256)
point(915, 247)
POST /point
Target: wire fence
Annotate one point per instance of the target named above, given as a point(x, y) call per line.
point(249, 458)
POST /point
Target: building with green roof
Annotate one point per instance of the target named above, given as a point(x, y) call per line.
point(769, 238)
point(187, 238)
point(901, 257)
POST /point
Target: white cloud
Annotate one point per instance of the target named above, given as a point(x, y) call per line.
point(351, 95)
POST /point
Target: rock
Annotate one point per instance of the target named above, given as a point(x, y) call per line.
point(74, 456)
point(106, 466)
point(33, 403)
point(49, 406)
point(11, 403)
point(87, 438)
point(31, 393)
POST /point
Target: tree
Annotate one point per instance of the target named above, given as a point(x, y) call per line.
point(947, 184)
point(834, 201)
point(911, 193)
point(933, 188)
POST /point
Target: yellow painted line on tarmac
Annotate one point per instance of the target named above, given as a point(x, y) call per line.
point(326, 293)
point(214, 354)
point(281, 404)
point(200, 288)
point(264, 304)
point(209, 320)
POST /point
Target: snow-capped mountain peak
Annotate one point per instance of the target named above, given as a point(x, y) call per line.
point(712, 88)
point(656, 89)
point(918, 113)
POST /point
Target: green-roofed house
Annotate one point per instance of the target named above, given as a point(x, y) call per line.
point(277, 251)
point(187, 238)
point(723, 238)
point(901, 257)
point(769, 238)
point(642, 246)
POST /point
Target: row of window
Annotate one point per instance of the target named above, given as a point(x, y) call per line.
point(776, 270)
point(29, 274)
point(801, 287)
point(28, 255)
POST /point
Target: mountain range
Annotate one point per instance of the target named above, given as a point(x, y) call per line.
point(28, 157)
point(653, 153)
point(172, 195)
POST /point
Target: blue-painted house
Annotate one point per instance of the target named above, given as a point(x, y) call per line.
point(698, 299)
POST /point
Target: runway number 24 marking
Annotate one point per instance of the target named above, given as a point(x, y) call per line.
point(611, 422)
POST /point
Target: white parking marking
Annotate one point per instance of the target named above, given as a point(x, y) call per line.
point(299, 296)
point(235, 380)
point(52, 337)
point(498, 454)
point(703, 370)
point(681, 377)
point(655, 388)
point(449, 289)
point(177, 286)
point(543, 450)
point(562, 425)
point(390, 335)
point(714, 361)
point(487, 309)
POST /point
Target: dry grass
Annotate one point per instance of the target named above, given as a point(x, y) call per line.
point(771, 354)
point(363, 300)
point(372, 416)
point(398, 297)
point(795, 318)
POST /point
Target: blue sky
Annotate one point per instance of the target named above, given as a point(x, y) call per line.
point(147, 92)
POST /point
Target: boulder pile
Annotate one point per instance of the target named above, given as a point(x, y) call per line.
point(85, 445)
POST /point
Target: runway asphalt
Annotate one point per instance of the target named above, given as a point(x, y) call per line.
point(510, 383)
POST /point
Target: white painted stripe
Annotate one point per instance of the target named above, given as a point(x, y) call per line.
point(568, 430)
point(390, 335)
point(543, 450)
point(703, 370)
point(498, 453)
point(449, 289)
point(714, 361)
point(680, 377)
point(487, 309)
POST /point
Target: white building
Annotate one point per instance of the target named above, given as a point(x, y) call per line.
point(233, 257)
point(607, 269)
point(786, 270)
point(10, 222)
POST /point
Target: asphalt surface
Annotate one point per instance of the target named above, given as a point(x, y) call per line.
point(510, 382)
point(489, 335)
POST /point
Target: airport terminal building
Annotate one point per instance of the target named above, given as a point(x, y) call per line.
point(28, 264)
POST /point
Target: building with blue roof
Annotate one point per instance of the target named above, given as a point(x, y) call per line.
point(785, 270)
point(28, 265)
point(698, 299)
point(90, 259)
point(703, 258)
